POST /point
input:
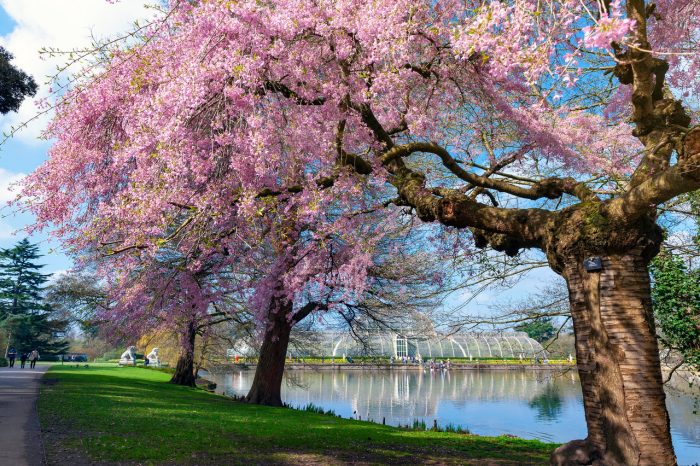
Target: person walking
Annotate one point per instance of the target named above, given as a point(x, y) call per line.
point(11, 355)
point(33, 357)
point(23, 359)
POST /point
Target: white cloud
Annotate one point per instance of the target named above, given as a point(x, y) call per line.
point(56, 275)
point(7, 189)
point(6, 231)
point(61, 24)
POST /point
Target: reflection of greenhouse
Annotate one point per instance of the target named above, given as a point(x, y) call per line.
point(434, 345)
point(402, 396)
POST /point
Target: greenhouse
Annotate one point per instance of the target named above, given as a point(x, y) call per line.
point(404, 344)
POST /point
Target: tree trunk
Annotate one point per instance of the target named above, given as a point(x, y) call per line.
point(618, 364)
point(184, 371)
point(267, 383)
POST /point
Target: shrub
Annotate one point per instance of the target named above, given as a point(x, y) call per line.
point(456, 429)
point(312, 408)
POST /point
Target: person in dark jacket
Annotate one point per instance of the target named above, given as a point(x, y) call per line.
point(11, 355)
point(23, 359)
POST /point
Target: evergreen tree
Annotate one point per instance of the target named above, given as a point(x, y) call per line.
point(15, 84)
point(21, 280)
point(539, 329)
point(28, 322)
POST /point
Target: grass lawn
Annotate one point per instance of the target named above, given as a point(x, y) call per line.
point(106, 414)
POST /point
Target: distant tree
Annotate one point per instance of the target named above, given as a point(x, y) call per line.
point(676, 288)
point(540, 329)
point(28, 322)
point(15, 84)
point(21, 281)
point(41, 332)
point(676, 301)
point(78, 297)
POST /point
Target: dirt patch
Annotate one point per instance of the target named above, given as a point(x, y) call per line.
point(59, 441)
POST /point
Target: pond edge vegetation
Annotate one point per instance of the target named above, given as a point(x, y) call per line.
point(95, 413)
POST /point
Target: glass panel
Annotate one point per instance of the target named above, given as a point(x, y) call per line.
point(401, 347)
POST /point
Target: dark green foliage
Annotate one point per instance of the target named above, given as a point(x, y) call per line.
point(36, 331)
point(21, 281)
point(3, 362)
point(27, 321)
point(419, 425)
point(455, 429)
point(312, 408)
point(676, 300)
point(78, 297)
point(694, 201)
point(539, 329)
point(15, 84)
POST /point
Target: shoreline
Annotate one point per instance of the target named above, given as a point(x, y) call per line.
point(182, 425)
point(401, 367)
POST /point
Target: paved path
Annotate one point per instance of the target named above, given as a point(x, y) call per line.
point(20, 437)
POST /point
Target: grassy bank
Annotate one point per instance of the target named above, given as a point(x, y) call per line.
point(132, 415)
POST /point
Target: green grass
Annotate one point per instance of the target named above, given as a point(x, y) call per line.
point(111, 414)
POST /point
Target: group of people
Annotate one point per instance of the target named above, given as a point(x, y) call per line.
point(406, 359)
point(33, 357)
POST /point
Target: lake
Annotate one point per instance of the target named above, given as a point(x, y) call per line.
point(545, 405)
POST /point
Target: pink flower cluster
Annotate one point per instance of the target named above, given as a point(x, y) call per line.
point(198, 160)
point(611, 27)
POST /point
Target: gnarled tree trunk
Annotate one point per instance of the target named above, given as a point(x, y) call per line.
point(267, 383)
point(618, 364)
point(184, 370)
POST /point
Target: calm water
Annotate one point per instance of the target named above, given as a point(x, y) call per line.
point(530, 404)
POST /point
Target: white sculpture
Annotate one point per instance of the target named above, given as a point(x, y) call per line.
point(153, 359)
point(128, 357)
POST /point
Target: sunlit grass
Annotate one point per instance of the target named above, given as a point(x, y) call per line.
point(131, 414)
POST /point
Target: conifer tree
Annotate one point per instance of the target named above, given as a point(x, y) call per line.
point(28, 322)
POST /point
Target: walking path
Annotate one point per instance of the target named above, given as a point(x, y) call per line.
point(20, 437)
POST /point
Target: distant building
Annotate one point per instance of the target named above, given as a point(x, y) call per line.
point(399, 344)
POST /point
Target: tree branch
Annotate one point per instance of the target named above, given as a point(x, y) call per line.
point(550, 188)
point(681, 178)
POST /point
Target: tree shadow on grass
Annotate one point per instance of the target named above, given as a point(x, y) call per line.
point(116, 417)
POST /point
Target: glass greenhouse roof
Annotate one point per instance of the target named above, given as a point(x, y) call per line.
point(387, 344)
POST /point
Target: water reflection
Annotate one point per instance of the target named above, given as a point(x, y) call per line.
point(547, 404)
point(530, 404)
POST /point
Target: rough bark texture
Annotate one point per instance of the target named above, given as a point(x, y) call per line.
point(617, 349)
point(184, 370)
point(267, 383)
point(618, 363)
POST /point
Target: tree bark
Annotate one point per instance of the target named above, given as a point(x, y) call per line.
point(267, 383)
point(618, 364)
point(184, 370)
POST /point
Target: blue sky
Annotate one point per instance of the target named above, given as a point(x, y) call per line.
point(25, 27)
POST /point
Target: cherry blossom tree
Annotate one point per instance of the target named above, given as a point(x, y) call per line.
point(279, 274)
point(557, 126)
